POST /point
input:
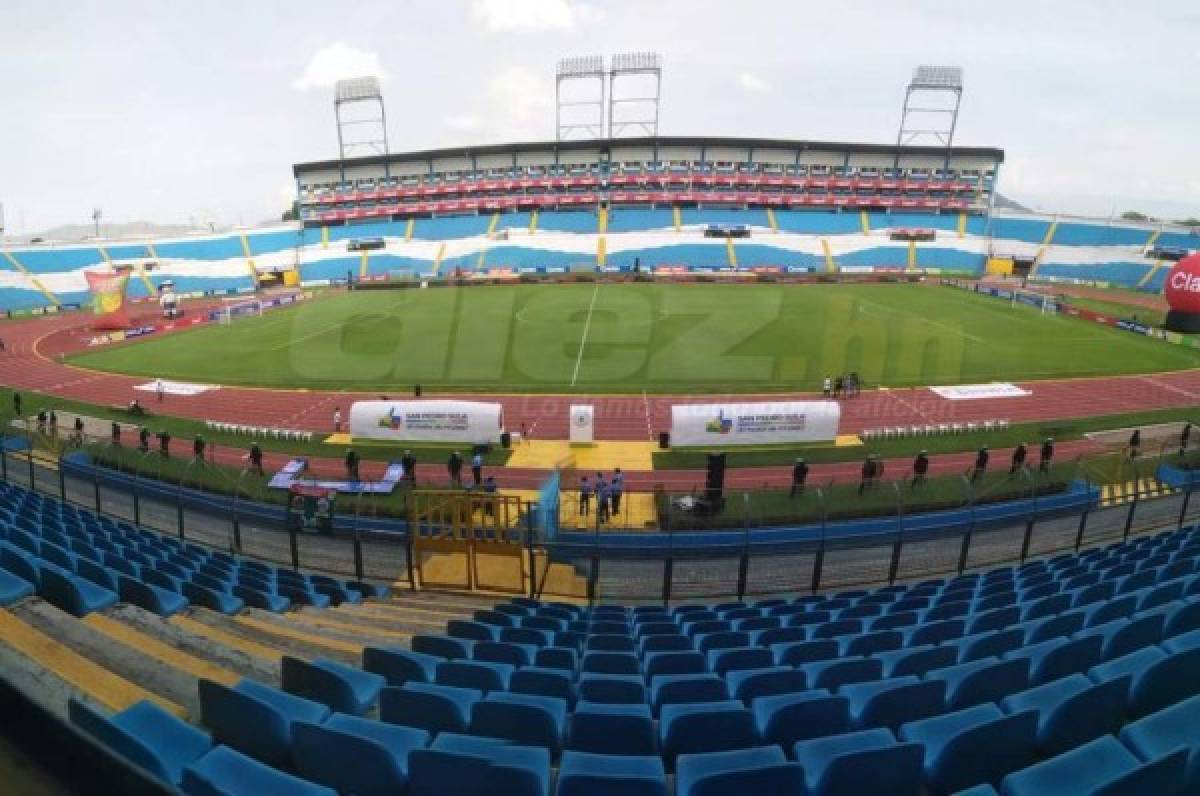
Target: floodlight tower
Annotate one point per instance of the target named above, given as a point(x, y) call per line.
point(97, 214)
point(349, 97)
point(934, 111)
point(579, 113)
point(641, 106)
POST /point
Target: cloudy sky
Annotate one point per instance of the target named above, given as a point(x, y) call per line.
point(173, 111)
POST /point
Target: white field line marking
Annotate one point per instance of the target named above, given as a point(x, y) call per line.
point(587, 325)
point(293, 341)
point(922, 319)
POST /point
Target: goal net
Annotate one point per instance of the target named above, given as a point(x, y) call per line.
point(1042, 302)
point(239, 308)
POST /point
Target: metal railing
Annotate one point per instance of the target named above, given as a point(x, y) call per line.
point(749, 556)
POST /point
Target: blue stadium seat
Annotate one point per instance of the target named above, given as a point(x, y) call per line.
point(442, 646)
point(613, 689)
point(13, 588)
point(916, 660)
point(504, 652)
point(749, 684)
point(973, 746)
point(608, 642)
point(611, 663)
point(1071, 711)
point(837, 672)
point(757, 770)
point(469, 766)
point(521, 718)
point(894, 701)
point(1050, 660)
point(527, 635)
point(586, 774)
point(151, 598)
point(705, 727)
point(75, 595)
point(864, 763)
point(224, 771)
point(1156, 678)
point(1102, 766)
point(260, 598)
point(668, 663)
point(145, 735)
point(355, 755)
point(538, 681)
point(471, 630)
point(612, 729)
point(675, 689)
point(475, 675)
point(989, 644)
point(985, 680)
point(556, 658)
point(664, 643)
point(221, 601)
point(428, 706)
point(1160, 733)
point(723, 661)
point(1123, 636)
point(796, 653)
point(344, 689)
point(786, 718)
point(255, 719)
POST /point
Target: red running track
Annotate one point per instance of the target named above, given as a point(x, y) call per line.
point(33, 347)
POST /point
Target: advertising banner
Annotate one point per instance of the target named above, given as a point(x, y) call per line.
point(754, 423)
point(108, 299)
point(970, 392)
point(427, 421)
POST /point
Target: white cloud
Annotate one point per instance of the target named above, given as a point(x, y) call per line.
point(531, 16)
point(462, 121)
point(752, 83)
point(519, 94)
point(337, 62)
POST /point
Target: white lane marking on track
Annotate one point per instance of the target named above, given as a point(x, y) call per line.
point(646, 406)
point(1171, 387)
point(587, 325)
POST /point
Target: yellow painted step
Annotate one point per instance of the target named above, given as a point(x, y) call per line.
point(864, 221)
point(231, 640)
point(830, 264)
point(110, 690)
point(331, 623)
point(771, 220)
point(298, 635)
point(33, 280)
point(962, 225)
point(152, 647)
point(408, 229)
point(730, 254)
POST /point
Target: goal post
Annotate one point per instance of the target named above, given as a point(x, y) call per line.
point(239, 308)
point(1042, 302)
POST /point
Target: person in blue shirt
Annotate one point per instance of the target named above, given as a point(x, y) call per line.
point(477, 468)
point(616, 489)
point(602, 495)
point(585, 497)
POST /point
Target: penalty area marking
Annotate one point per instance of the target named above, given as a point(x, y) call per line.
point(587, 325)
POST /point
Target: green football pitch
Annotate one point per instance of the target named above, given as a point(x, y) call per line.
point(623, 337)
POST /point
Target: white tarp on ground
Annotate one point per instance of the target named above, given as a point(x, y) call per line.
point(427, 421)
point(754, 423)
point(176, 387)
point(970, 392)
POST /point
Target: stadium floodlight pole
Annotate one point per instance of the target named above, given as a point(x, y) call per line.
point(641, 110)
point(360, 92)
point(97, 214)
point(941, 87)
point(582, 116)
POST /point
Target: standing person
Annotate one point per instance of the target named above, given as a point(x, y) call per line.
point(855, 382)
point(144, 439)
point(1018, 458)
point(198, 449)
point(164, 442)
point(116, 433)
point(2, 349)
point(839, 386)
point(524, 432)
point(16, 403)
point(351, 465)
point(160, 389)
point(53, 423)
point(1135, 443)
point(454, 468)
point(615, 489)
point(337, 420)
point(981, 463)
point(827, 387)
point(78, 429)
point(799, 476)
point(489, 489)
point(477, 468)
point(410, 467)
point(920, 469)
point(877, 472)
point(1047, 454)
point(1184, 436)
point(585, 497)
point(41, 421)
point(416, 391)
point(256, 459)
point(601, 498)
point(868, 471)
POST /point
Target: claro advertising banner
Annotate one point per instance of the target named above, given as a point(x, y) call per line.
point(429, 421)
point(754, 423)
